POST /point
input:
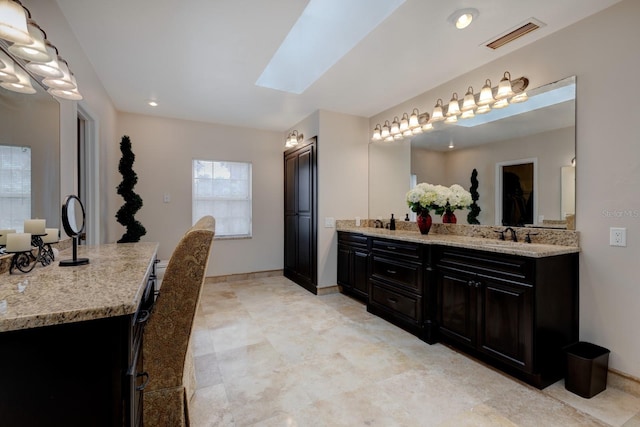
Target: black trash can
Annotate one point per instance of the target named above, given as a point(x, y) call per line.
point(587, 366)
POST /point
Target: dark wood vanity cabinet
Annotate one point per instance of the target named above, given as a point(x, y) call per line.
point(514, 311)
point(81, 374)
point(353, 264)
point(396, 283)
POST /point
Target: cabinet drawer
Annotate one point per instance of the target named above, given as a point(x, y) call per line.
point(485, 264)
point(405, 306)
point(404, 250)
point(407, 275)
point(352, 239)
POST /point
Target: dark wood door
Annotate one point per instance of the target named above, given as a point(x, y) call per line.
point(360, 272)
point(300, 169)
point(457, 306)
point(505, 327)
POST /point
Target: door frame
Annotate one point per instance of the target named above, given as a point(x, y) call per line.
point(499, 187)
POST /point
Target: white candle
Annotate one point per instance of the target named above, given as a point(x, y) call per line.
point(51, 236)
point(3, 235)
point(18, 242)
point(34, 226)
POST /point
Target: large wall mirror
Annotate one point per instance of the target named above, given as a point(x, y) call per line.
point(540, 131)
point(29, 158)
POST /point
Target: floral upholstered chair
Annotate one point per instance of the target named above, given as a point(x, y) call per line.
point(167, 333)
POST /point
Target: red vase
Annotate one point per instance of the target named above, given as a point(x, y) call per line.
point(424, 222)
point(449, 218)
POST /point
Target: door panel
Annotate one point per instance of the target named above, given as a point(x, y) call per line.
point(506, 330)
point(457, 313)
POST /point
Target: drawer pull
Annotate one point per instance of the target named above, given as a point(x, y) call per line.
point(144, 316)
point(391, 271)
point(142, 386)
point(392, 300)
point(391, 248)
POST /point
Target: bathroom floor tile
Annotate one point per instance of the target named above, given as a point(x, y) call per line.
point(269, 353)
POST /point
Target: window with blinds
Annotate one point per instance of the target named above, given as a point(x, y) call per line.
point(223, 190)
point(15, 186)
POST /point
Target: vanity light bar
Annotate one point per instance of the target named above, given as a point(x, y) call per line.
point(26, 43)
point(507, 92)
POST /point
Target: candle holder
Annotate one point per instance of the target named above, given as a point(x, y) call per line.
point(45, 252)
point(23, 261)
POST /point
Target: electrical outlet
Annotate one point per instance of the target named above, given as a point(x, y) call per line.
point(329, 222)
point(166, 198)
point(617, 236)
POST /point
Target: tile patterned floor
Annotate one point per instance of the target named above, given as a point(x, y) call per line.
point(269, 353)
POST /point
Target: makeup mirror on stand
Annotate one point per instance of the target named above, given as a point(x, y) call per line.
point(73, 222)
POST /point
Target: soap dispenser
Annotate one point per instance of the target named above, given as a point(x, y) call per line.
point(392, 223)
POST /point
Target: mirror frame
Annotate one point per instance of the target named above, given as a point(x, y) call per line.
point(75, 234)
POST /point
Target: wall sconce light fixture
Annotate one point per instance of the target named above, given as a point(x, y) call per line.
point(293, 139)
point(23, 38)
point(507, 92)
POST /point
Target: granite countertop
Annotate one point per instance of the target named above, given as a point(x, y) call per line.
point(110, 285)
point(531, 250)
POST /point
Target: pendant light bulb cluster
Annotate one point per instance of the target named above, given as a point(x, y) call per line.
point(507, 92)
point(29, 43)
point(293, 139)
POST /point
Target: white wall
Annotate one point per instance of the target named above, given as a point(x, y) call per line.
point(602, 52)
point(342, 178)
point(164, 149)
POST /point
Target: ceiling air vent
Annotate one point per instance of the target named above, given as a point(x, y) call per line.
point(511, 35)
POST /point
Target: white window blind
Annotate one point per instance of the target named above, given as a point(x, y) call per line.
point(223, 190)
point(15, 186)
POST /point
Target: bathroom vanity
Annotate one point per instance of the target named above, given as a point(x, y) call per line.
point(512, 305)
point(71, 340)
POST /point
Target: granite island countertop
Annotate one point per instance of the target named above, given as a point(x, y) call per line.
point(531, 250)
point(110, 285)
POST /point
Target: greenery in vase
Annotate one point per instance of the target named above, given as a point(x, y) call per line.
point(132, 201)
point(474, 208)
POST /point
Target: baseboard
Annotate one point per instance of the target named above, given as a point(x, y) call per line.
point(243, 276)
point(624, 382)
point(325, 290)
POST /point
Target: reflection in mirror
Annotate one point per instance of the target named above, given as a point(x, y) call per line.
point(543, 128)
point(30, 127)
point(73, 216)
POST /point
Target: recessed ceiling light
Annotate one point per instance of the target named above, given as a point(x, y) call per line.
point(153, 103)
point(462, 18)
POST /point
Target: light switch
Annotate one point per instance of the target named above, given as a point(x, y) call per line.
point(166, 198)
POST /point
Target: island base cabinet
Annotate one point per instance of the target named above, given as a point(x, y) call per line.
point(65, 375)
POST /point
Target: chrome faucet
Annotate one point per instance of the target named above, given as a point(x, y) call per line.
point(514, 237)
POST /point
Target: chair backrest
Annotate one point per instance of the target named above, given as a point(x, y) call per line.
point(168, 330)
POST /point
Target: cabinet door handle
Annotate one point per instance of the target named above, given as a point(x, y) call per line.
point(144, 316)
point(142, 386)
point(478, 284)
point(391, 271)
point(470, 283)
point(392, 300)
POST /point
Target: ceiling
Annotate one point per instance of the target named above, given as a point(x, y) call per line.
point(200, 59)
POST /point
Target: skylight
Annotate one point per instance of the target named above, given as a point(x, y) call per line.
point(324, 33)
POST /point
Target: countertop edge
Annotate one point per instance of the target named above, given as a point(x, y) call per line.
point(530, 250)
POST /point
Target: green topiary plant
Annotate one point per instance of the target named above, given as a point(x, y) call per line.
point(132, 201)
point(474, 209)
